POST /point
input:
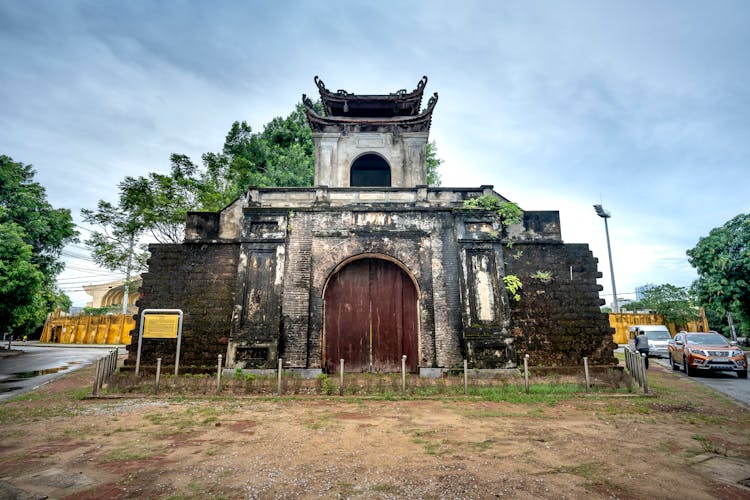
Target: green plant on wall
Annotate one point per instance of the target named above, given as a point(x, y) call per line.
point(507, 212)
point(543, 276)
point(513, 285)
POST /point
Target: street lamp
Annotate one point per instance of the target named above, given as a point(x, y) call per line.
point(606, 215)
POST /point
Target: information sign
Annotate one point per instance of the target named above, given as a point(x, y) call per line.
point(160, 326)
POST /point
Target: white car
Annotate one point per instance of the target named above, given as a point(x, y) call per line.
point(658, 339)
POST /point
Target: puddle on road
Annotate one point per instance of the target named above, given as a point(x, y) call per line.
point(6, 384)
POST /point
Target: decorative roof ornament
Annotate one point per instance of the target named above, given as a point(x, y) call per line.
point(431, 103)
point(420, 88)
point(396, 104)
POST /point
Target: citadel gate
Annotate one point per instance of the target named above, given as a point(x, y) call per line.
point(370, 318)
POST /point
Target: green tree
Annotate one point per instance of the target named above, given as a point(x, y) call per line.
point(32, 236)
point(672, 302)
point(282, 155)
point(155, 206)
point(433, 163)
point(722, 260)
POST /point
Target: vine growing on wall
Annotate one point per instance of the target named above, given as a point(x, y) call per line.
point(513, 285)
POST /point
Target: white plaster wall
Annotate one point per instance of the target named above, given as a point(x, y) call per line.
point(335, 153)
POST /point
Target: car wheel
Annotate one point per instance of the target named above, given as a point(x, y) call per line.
point(672, 363)
point(742, 374)
point(688, 371)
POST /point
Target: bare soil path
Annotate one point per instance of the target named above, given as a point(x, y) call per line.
point(686, 442)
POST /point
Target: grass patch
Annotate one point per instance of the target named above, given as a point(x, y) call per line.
point(323, 420)
point(709, 446)
point(516, 393)
point(588, 470)
point(123, 455)
point(483, 445)
point(386, 488)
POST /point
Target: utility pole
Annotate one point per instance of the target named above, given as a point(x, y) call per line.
point(127, 274)
point(731, 327)
point(606, 215)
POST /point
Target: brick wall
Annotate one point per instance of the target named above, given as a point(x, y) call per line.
point(558, 322)
point(199, 279)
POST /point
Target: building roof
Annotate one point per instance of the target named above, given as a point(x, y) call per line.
point(370, 113)
point(344, 104)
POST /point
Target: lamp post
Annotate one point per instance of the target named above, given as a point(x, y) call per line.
point(606, 215)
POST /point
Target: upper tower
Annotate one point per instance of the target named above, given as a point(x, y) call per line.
point(370, 140)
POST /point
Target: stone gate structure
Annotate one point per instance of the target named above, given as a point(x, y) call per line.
point(371, 264)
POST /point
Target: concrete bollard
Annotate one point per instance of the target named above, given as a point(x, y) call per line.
point(341, 377)
point(466, 378)
point(403, 373)
point(586, 371)
point(97, 370)
point(526, 371)
point(158, 375)
point(278, 389)
point(218, 376)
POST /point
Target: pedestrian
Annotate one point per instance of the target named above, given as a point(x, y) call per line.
point(24, 338)
point(641, 345)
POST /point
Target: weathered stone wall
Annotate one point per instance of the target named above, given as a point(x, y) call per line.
point(199, 279)
point(558, 320)
point(261, 289)
point(320, 241)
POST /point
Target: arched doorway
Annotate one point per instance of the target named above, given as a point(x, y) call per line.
point(370, 318)
point(370, 170)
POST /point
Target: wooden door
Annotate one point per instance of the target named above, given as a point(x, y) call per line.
point(370, 318)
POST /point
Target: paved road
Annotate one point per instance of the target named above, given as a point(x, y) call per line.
point(37, 365)
point(724, 382)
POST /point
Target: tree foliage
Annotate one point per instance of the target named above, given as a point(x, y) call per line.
point(154, 207)
point(722, 260)
point(32, 236)
point(672, 302)
point(507, 212)
point(433, 163)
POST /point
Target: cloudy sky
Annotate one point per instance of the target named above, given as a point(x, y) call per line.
point(641, 106)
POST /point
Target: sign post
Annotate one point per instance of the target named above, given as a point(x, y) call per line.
point(160, 324)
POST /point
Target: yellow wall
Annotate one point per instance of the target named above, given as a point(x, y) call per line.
point(103, 329)
point(622, 322)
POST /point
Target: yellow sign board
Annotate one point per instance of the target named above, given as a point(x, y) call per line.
point(160, 326)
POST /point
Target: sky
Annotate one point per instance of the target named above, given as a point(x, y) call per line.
point(642, 106)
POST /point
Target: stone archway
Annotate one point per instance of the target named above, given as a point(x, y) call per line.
point(370, 309)
point(370, 170)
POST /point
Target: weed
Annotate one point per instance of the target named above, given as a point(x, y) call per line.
point(543, 276)
point(483, 445)
point(513, 285)
point(386, 488)
point(123, 455)
point(710, 446)
point(590, 470)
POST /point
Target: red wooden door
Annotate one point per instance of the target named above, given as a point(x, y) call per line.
point(370, 318)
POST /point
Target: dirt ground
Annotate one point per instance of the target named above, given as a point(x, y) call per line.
point(685, 442)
